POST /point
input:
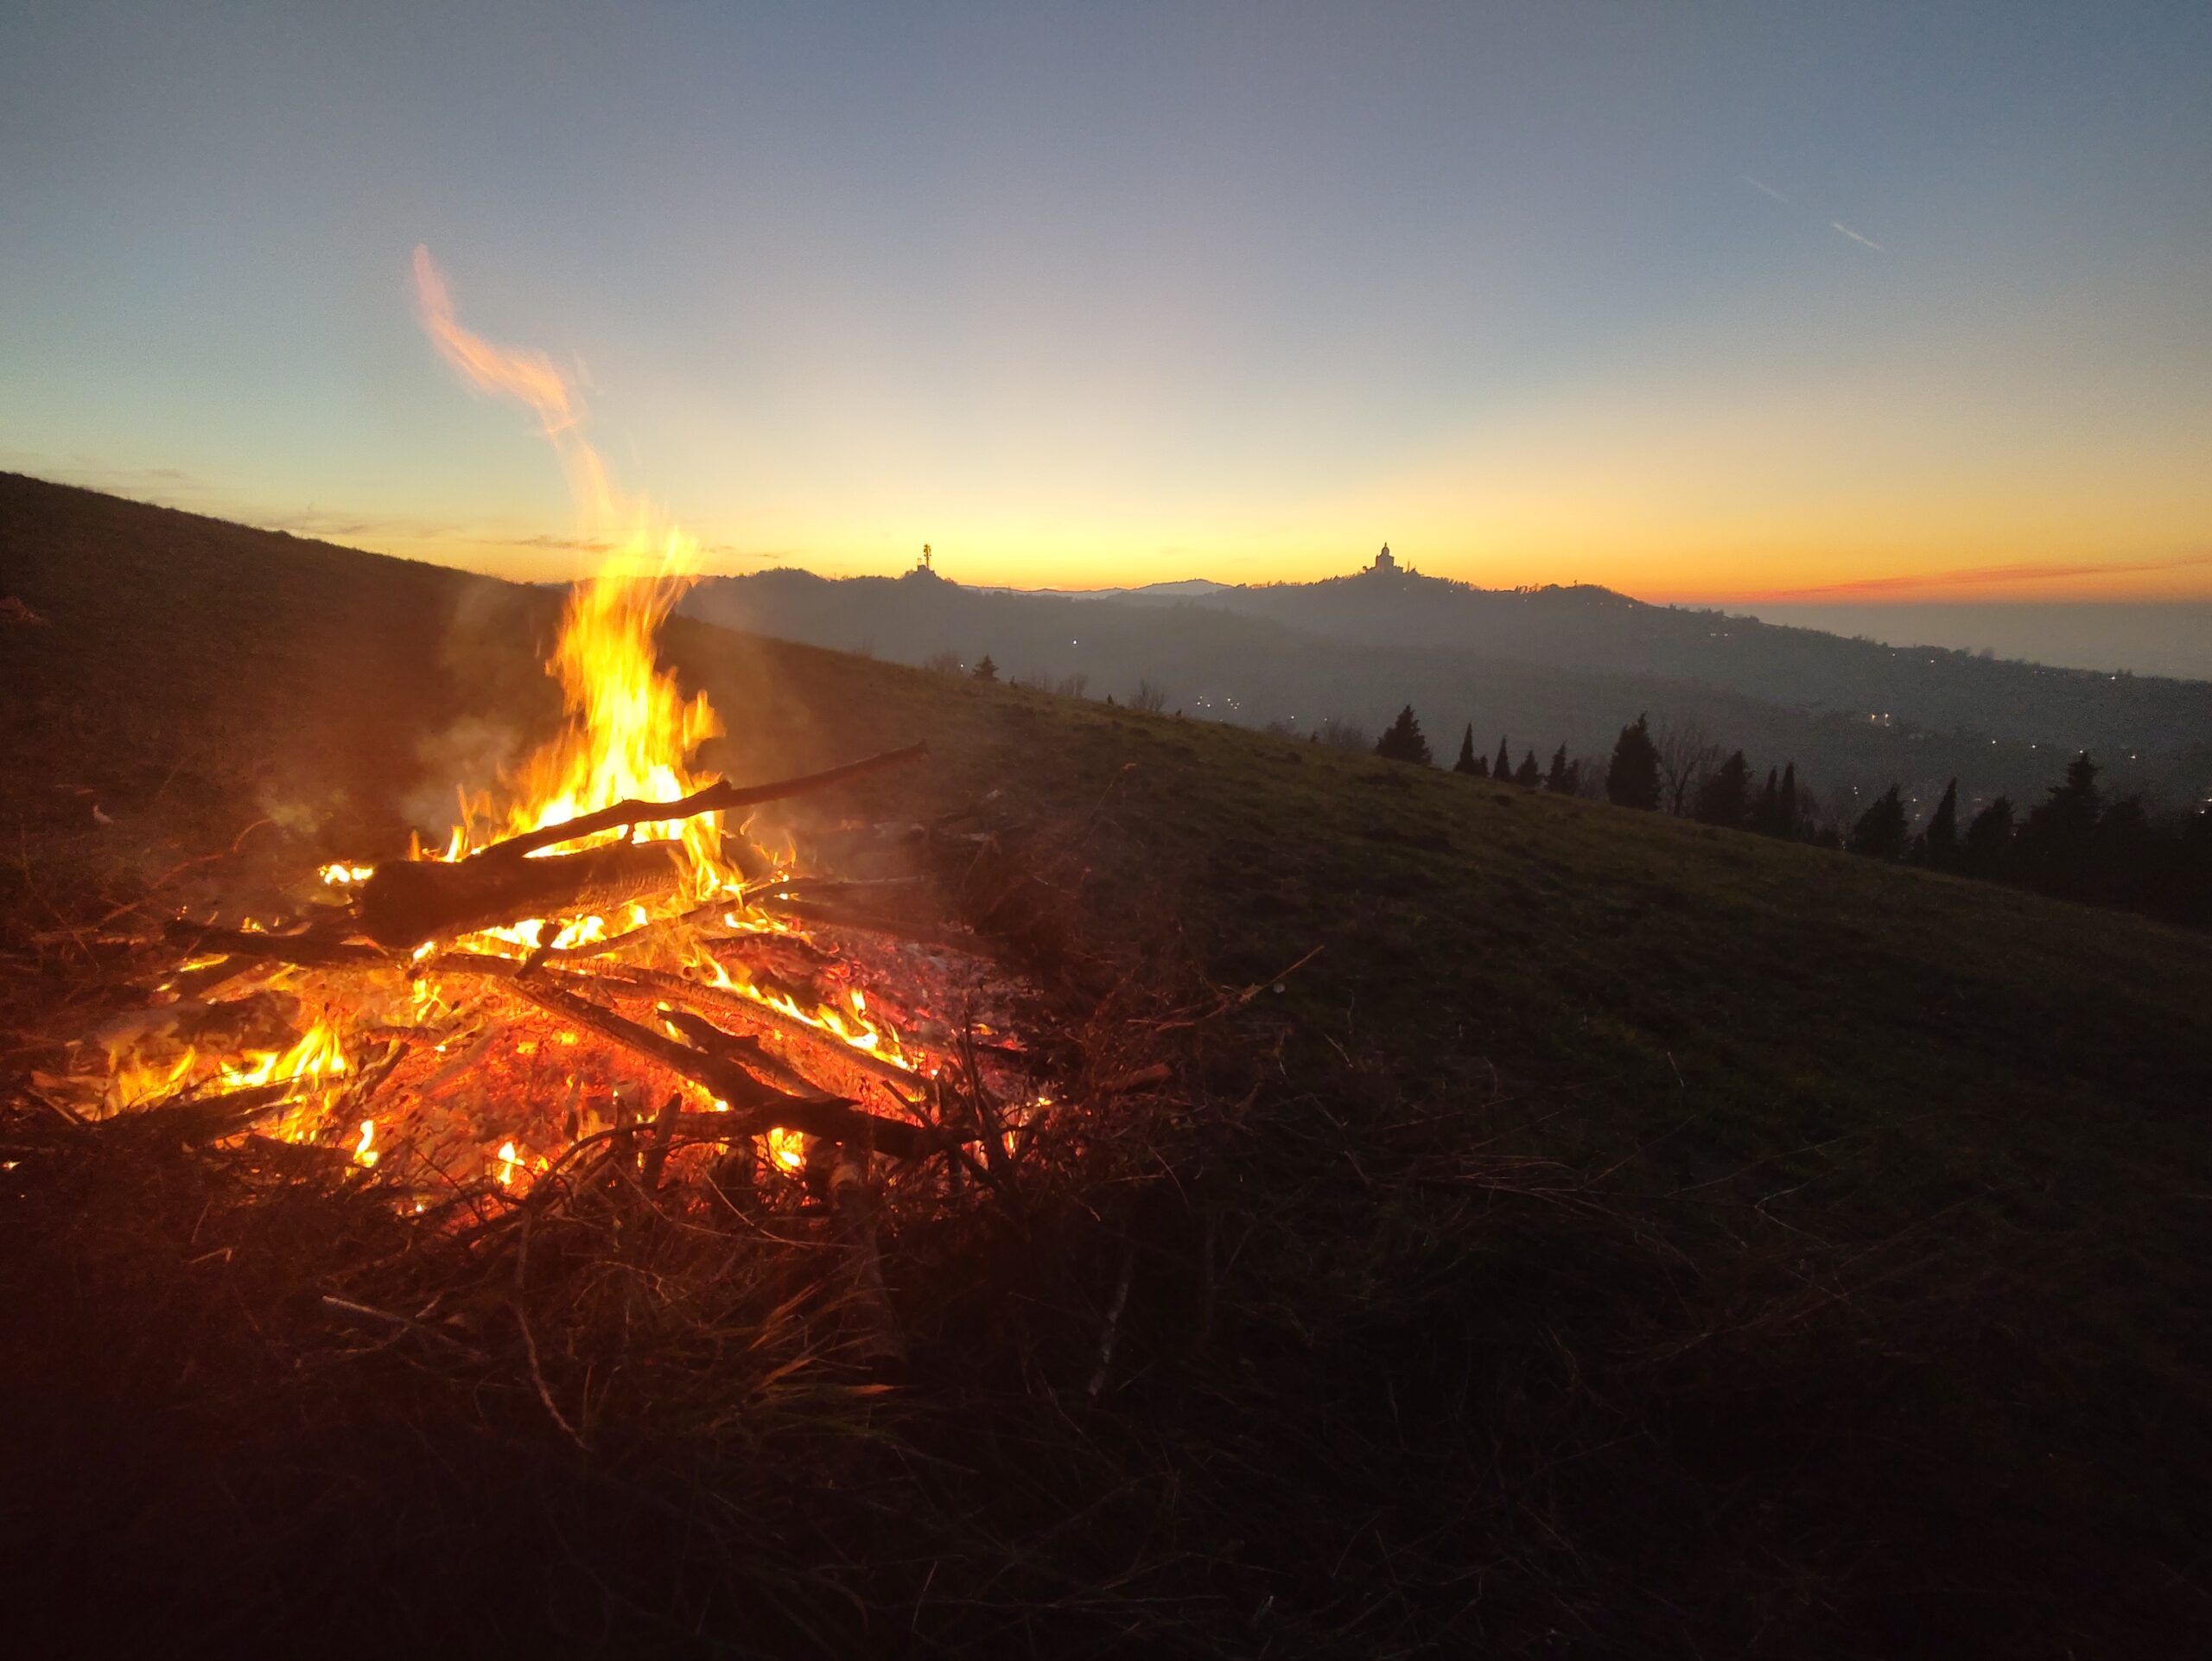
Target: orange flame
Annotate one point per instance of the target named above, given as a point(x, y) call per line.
point(629, 728)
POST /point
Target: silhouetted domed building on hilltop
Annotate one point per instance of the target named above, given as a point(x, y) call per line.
point(1386, 565)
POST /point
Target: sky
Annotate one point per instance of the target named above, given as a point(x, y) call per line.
point(1812, 305)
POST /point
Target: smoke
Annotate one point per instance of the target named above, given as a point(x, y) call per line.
point(492, 652)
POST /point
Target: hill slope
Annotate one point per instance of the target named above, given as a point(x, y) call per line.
point(1633, 1238)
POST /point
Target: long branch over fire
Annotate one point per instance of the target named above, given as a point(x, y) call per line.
point(596, 946)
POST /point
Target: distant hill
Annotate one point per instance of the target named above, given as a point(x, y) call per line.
point(1193, 588)
point(1542, 667)
point(1590, 627)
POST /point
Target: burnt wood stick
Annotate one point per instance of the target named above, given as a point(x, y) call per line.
point(408, 901)
point(764, 1106)
point(853, 1204)
point(747, 1052)
point(829, 888)
point(659, 982)
point(315, 948)
point(663, 987)
point(715, 798)
point(657, 929)
point(206, 1118)
point(806, 912)
point(671, 1114)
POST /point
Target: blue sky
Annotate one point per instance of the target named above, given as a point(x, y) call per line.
point(1711, 301)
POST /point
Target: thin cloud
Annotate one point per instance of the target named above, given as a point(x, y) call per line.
point(1868, 242)
point(558, 544)
point(161, 484)
point(1991, 576)
point(1765, 190)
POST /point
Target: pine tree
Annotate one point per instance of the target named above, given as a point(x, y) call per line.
point(1986, 850)
point(1785, 805)
point(1501, 769)
point(1632, 780)
point(1942, 839)
point(985, 670)
point(2057, 841)
point(1555, 779)
point(1880, 832)
point(1468, 763)
point(1724, 798)
point(1767, 813)
point(1403, 742)
point(1528, 773)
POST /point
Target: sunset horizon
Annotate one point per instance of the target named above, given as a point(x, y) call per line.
point(1746, 310)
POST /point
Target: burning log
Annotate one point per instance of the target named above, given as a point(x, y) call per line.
point(317, 946)
point(715, 798)
point(659, 982)
point(204, 1119)
point(747, 1052)
point(410, 902)
point(765, 1107)
point(407, 902)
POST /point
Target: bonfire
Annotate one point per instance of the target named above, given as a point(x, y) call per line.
point(600, 967)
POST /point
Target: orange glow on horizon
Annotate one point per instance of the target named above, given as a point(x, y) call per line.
point(1686, 570)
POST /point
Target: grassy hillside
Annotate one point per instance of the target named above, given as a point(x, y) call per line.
point(1624, 1237)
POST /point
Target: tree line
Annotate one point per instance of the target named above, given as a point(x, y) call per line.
point(2075, 843)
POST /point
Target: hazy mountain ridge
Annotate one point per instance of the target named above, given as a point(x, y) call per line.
point(1541, 666)
point(1585, 627)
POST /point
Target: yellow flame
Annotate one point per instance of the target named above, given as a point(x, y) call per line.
point(364, 1154)
point(852, 1026)
point(629, 728)
point(317, 1053)
point(509, 1161)
point(786, 1147)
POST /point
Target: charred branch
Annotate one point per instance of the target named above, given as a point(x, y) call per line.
point(853, 1204)
point(715, 798)
point(657, 982)
point(408, 902)
point(759, 1106)
point(317, 947)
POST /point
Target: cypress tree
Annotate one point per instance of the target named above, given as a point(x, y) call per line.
point(1632, 780)
point(1768, 813)
point(1528, 773)
point(1556, 778)
point(1403, 742)
point(1503, 768)
point(1467, 762)
point(1987, 849)
point(985, 670)
point(2056, 845)
point(1880, 832)
point(1785, 805)
point(1943, 830)
point(1724, 798)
